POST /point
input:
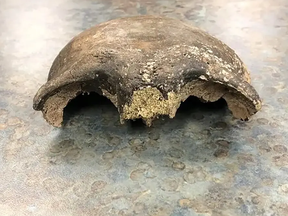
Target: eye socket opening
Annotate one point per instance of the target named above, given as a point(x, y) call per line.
point(91, 104)
point(193, 104)
point(86, 104)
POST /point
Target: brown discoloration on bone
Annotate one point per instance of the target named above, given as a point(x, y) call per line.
point(149, 103)
point(112, 98)
point(54, 105)
point(146, 66)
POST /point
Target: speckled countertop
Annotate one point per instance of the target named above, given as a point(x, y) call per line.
point(203, 162)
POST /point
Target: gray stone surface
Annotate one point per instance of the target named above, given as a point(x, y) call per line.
point(202, 162)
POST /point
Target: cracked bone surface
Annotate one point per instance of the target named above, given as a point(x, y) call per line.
point(147, 66)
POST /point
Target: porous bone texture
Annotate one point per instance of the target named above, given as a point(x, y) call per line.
point(147, 66)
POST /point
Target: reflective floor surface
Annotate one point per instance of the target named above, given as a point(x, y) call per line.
point(201, 163)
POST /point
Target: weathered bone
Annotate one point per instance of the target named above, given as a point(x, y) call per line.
point(147, 66)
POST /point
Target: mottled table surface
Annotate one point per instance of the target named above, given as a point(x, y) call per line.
point(203, 162)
